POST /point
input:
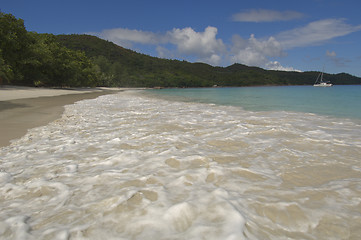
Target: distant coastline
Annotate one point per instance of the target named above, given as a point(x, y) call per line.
point(124, 67)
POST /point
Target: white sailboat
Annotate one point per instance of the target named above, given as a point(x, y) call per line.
point(320, 83)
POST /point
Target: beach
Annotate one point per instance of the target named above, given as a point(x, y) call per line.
point(23, 108)
point(137, 165)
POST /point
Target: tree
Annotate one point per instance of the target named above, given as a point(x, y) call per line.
point(29, 58)
point(104, 69)
point(5, 71)
point(14, 42)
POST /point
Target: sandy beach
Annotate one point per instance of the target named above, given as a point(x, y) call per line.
point(22, 108)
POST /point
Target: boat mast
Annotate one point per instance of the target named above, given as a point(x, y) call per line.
point(319, 77)
point(321, 80)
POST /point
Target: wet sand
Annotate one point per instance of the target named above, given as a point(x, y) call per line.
point(23, 108)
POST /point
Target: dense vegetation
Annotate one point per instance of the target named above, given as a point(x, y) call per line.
point(123, 67)
point(28, 58)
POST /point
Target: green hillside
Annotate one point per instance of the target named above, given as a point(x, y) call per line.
point(124, 67)
point(31, 59)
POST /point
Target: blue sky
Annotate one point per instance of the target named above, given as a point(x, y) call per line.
point(285, 35)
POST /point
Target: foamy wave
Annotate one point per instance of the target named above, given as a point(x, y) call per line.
point(130, 166)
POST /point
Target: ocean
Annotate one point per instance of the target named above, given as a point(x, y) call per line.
point(217, 163)
point(338, 101)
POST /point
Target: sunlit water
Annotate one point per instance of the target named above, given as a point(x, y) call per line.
point(133, 166)
point(338, 101)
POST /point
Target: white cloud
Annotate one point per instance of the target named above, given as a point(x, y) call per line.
point(264, 15)
point(127, 37)
point(249, 57)
point(258, 52)
point(337, 61)
point(255, 52)
point(204, 45)
point(275, 65)
point(316, 33)
point(164, 52)
point(214, 59)
point(330, 54)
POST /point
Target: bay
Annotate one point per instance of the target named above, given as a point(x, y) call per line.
point(338, 101)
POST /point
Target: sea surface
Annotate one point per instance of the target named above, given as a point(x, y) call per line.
point(338, 101)
point(219, 163)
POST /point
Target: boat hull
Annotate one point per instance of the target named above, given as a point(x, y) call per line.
point(323, 85)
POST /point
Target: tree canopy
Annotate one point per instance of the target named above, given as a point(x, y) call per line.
point(32, 59)
point(126, 68)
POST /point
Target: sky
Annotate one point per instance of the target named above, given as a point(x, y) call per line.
point(290, 35)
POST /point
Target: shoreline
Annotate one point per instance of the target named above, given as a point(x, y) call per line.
point(23, 108)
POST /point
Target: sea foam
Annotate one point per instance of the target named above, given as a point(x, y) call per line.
point(130, 166)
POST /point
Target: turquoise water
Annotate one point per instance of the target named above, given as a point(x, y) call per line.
point(336, 101)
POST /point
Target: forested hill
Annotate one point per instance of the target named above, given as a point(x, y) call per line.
point(32, 59)
point(124, 67)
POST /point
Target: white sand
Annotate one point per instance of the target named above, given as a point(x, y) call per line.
point(15, 92)
point(22, 108)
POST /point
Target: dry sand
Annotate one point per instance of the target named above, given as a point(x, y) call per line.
point(22, 108)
